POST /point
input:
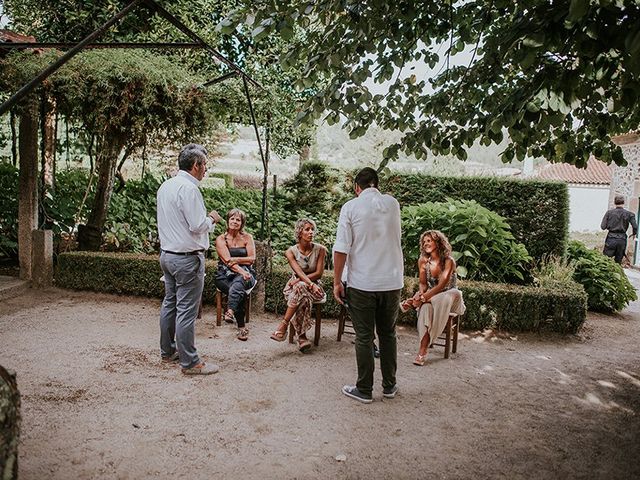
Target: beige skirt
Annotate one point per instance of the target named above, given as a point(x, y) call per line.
point(433, 316)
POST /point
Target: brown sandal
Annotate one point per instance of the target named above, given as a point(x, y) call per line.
point(229, 317)
point(280, 334)
point(243, 334)
point(303, 345)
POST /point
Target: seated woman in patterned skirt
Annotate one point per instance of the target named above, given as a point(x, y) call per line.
point(303, 289)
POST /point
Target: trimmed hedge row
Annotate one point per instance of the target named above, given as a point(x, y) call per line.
point(489, 305)
point(122, 273)
point(537, 211)
point(505, 307)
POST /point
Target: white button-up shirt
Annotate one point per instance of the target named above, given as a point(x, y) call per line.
point(369, 234)
point(183, 224)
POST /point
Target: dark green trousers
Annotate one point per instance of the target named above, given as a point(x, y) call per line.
point(379, 311)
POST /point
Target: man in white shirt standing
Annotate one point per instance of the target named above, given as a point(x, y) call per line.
point(183, 228)
point(368, 244)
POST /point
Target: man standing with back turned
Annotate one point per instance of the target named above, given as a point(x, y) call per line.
point(368, 244)
point(183, 227)
point(617, 221)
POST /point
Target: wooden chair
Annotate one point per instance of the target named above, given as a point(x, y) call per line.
point(450, 330)
point(344, 321)
point(221, 305)
point(317, 307)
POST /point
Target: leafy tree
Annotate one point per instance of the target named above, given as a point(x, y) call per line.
point(122, 99)
point(560, 77)
point(277, 104)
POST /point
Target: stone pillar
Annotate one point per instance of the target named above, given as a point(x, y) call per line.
point(28, 187)
point(42, 259)
point(264, 253)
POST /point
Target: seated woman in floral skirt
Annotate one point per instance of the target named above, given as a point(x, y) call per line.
point(303, 289)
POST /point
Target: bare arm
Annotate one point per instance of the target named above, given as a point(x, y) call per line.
point(231, 262)
point(443, 281)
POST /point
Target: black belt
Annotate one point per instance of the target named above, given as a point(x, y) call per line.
point(195, 252)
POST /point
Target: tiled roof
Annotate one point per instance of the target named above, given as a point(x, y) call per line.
point(596, 173)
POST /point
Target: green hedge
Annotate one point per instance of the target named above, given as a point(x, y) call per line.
point(537, 211)
point(489, 305)
point(122, 273)
point(505, 307)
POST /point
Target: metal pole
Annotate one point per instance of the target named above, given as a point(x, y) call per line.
point(26, 89)
point(188, 32)
point(253, 120)
point(64, 45)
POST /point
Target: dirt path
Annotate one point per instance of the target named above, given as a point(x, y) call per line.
point(97, 402)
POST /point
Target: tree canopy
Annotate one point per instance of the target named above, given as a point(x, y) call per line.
point(277, 104)
point(559, 77)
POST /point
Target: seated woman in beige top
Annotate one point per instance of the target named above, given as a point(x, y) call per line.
point(438, 294)
point(303, 289)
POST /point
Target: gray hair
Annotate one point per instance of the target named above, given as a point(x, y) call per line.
point(618, 200)
point(300, 226)
point(190, 155)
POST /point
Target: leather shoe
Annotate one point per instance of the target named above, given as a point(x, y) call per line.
point(201, 369)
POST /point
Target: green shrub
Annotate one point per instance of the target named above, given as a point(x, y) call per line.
point(8, 210)
point(605, 282)
point(132, 224)
point(482, 243)
point(537, 211)
point(552, 270)
point(313, 188)
point(489, 305)
point(561, 308)
point(121, 273)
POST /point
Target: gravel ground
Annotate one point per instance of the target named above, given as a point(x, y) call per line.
point(98, 403)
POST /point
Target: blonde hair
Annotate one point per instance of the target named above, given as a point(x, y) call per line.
point(300, 226)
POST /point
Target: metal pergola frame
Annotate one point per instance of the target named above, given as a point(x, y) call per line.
point(89, 42)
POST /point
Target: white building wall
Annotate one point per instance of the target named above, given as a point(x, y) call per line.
point(587, 206)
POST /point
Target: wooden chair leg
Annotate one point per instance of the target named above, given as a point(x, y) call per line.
point(218, 308)
point(247, 309)
point(456, 330)
point(316, 338)
point(447, 340)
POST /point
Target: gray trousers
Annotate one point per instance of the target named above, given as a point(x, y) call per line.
point(183, 284)
point(379, 311)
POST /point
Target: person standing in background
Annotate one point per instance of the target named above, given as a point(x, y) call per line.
point(617, 221)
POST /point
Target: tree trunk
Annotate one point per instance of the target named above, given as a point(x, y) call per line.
point(28, 186)
point(90, 236)
point(48, 113)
